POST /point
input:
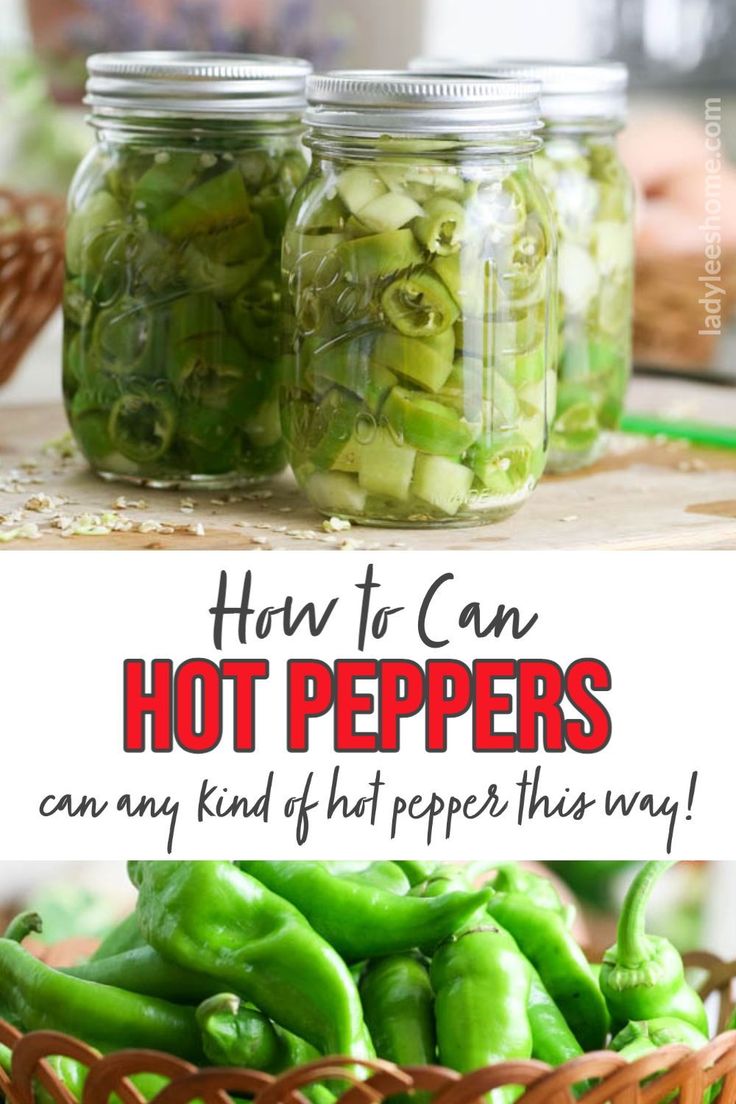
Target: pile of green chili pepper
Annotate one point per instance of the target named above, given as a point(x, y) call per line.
point(268, 964)
point(172, 305)
point(417, 384)
point(591, 197)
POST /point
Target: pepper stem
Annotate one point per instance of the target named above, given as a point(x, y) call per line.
point(216, 1005)
point(632, 937)
point(22, 925)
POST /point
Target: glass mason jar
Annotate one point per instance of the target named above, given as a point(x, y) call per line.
point(172, 294)
point(583, 108)
point(419, 267)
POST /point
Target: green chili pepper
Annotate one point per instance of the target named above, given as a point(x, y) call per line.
point(383, 874)
point(389, 212)
point(191, 317)
point(358, 185)
point(246, 241)
point(254, 317)
point(208, 368)
point(73, 1076)
point(224, 281)
point(212, 445)
point(504, 465)
point(426, 424)
point(481, 985)
point(441, 228)
point(88, 232)
point(295, 1052)
point(142, 424)
point(641, 1037)
point(123, 937)
point(544, 938)
point(91, 428)
point(419, 305)
point(387, 466)
point(73, 373)
point(552, 1040)
point(105, 1017)
point(70, 1073)
point(336, 493)
point(363, 260)
point(161, 185)
point(447, 878)
point(444, 878)
point(642, 976)
point(416, 870)
point(212, 918)
point(313, 259)
point(362, 921)
point(141, 969)
point(218, 202)
point(351, 363)
point(424, 362)
point(22, 925)
point(78, 307)
point(398, 1005)
point(122, 335)
point(236, 1036)
point(330, 427)
point(512, 878)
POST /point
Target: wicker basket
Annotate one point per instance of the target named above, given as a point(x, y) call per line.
point(668, 316)
point(652, 1079)
point(31, 270)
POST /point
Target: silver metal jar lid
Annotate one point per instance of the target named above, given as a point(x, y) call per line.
point(195, 84)
point(595, 90)
point(370, 101)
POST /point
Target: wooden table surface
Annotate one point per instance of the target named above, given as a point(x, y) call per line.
point(646, 494)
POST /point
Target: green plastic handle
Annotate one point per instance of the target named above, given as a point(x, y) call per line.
point(699, 433)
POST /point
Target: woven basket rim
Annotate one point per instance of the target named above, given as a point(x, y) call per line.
point(650, 1080)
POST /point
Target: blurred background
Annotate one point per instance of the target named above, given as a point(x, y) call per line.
point(694, 905)
point(680, 52)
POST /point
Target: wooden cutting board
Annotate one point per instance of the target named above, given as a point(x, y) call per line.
point(646, 494)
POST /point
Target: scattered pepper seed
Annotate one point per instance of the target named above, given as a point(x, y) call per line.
point(262, 494)
point(153, 526)
point(42, 503)
point(28, 531)
point(63, 447)
point(336, 525)
point(123, 503)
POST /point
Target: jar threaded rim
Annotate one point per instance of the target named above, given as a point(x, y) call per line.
point(192, 83)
